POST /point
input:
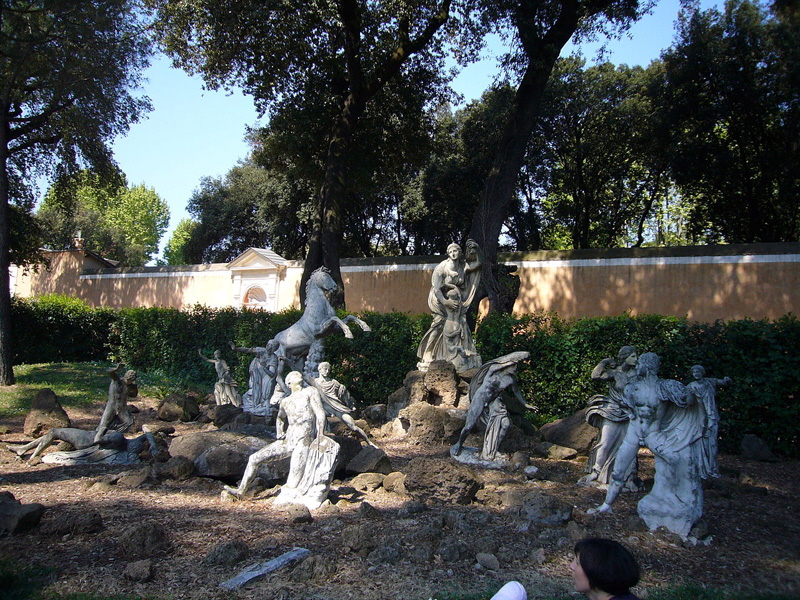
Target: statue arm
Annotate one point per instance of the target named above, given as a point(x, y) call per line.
point(600, 372)
point(315, 401)
point(203, 357)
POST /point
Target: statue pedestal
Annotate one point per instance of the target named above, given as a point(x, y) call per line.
point(472, 456)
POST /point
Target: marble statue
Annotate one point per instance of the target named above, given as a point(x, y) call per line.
point(487, 403)
point(453, 286)
point(116, 415)
point(264, 373)
point(665, 419)
point(112, 447)
point(704, 391)
point(606, 413)
point(225, 389)
point(301, 435)
point(301, 344)
point(336, 400)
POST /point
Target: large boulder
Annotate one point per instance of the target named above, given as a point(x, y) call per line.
point(754, 448)
point(176, 407)
point(440, 481)
point(572, 432)
point(441, 383)
point(16, 517)
point(144, 540)
point(218, 454)
point(46, 413)
point(413, 391)
point(429, 425)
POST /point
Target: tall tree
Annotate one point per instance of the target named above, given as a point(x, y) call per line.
point(121, 223)
point(540, 29)
point(591, 158)
point(731, 104)
point(283, 52)
point(66, 71)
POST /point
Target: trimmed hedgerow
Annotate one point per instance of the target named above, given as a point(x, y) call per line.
point(57, 328)
point(760, 356)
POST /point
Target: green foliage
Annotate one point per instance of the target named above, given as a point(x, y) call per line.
point(162, 343)
point(759, 356)
point(374, 364)
point(55, 328)
point(175, 252)
point(118, 222)
point(728, 102)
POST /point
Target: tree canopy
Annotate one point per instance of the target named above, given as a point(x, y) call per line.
point(337, 56)
point(67, 69)
point(115, 220)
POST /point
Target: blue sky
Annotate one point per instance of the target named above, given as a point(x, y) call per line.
point(194, 133)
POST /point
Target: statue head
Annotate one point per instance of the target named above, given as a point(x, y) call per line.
point(649, 363)
point(294, 379)
point(454, 251)
point(272, 346)
point(627, 355)
point(130, 376)
point(698, 371)
point(217, 354)
point(324, 369)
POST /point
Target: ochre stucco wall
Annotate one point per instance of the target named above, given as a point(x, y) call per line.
point(703, 283)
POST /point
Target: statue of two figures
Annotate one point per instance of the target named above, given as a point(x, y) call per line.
point(678, 423)
point(107, 443)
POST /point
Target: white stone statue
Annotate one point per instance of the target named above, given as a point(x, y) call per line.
point(605, 412)
point(704, 390)
point(301, 343)
point(453, 286)
point(336, 400)
point(116, 415)
point(225, 389)
point(112, 447)
point(263, 376)
point(487, 403)
point(301, 435)
point(665, 419)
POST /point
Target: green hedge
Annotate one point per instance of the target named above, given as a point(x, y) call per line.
point(761, 356)
point(58, 329)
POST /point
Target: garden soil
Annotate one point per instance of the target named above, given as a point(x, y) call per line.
point(752, 515)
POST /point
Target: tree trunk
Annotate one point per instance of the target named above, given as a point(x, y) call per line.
point(498, 192)
point(6, 368)
point(325, 245)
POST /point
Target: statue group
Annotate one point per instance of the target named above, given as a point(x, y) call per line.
point(678, 423)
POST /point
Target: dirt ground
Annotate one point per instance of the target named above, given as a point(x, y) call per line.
point(752, 514)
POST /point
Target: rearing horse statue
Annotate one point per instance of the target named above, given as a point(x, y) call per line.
point(301, 343)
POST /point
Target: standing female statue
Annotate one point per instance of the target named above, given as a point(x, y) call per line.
point(453, 285)
point(607, 414)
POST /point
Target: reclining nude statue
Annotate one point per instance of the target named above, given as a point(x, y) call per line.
point(487, 403)
point(606, 412)
point(111, 447)
point(666, 419)
point(454, 283)
point(300, 428)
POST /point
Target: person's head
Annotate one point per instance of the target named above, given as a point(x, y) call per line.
point(698, 371)
point(217, 354)
point(454, 251)
point(648, 363)
point(603, 565)
point(627, 354)
point(324, 369)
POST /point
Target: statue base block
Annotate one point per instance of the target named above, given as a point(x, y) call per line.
point(472, 456)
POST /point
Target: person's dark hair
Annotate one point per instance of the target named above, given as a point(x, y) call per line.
point(608, 565)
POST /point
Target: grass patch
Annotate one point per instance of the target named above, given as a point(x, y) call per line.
point(77, 385)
